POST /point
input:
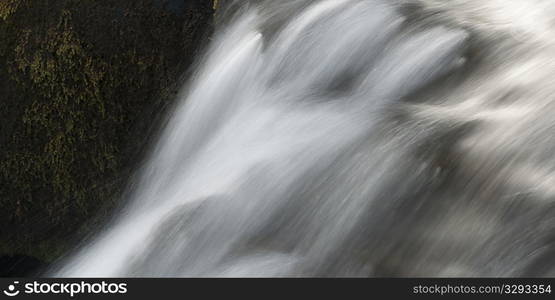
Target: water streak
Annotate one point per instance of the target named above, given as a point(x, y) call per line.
point(350, 139)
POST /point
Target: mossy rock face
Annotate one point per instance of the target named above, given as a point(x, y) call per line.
point(81, 85)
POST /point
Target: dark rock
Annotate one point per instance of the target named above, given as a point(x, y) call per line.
point(20, 266)
point(83, 84)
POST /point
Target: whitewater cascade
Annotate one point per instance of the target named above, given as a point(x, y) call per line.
point(352, 138)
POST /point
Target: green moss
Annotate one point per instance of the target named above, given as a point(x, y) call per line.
point(8, 8)
point(67, 85)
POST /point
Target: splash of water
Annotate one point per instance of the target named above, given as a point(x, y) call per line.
point(345, 140)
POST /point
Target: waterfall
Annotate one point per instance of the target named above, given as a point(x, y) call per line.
point(351, 138)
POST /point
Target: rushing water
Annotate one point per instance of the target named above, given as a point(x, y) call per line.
point(352, 138)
